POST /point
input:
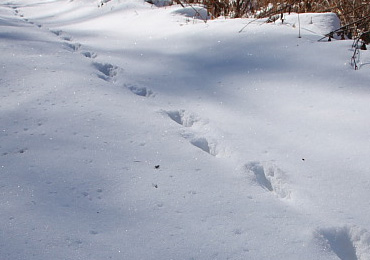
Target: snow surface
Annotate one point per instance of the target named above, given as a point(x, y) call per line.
point(135, 132)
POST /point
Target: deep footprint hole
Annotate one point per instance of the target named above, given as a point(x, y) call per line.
point(89, 54)
point(140, 91)
point(107, 69)
point(259, 172)
point(175, 116)
point(203, 144)
point(340, 242)
point(183, 118)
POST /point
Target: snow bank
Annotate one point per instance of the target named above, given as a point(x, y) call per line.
point(193, 12)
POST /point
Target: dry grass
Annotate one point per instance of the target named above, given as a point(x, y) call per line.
point(349, 11)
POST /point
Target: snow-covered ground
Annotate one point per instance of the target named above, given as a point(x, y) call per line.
point(134, 132)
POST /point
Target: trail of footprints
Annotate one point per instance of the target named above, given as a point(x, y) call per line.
point(105, 71)
point(268, 176)
point(347, 242)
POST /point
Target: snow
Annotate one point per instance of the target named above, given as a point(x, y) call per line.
point(135, 132)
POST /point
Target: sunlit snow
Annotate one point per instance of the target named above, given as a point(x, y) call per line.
point(129, 131)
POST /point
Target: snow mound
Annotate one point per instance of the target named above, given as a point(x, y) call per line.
point(196, 12)
point(159, 3)
point(320, 23)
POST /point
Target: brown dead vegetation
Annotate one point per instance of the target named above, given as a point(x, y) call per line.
point(353, 12)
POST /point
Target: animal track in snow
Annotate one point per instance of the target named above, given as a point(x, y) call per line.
point(347, 242)
point(199, 137)
point(33, 23)
point(205, 145)
point(89, 54)
point(182, 117)
point(67, 38)
point(108, 70)
point(57, 32)
point(17, 151)
point(140, 91)
point(73, 46)
point(270, 178)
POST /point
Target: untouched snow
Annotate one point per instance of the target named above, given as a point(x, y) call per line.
point(135, 132)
